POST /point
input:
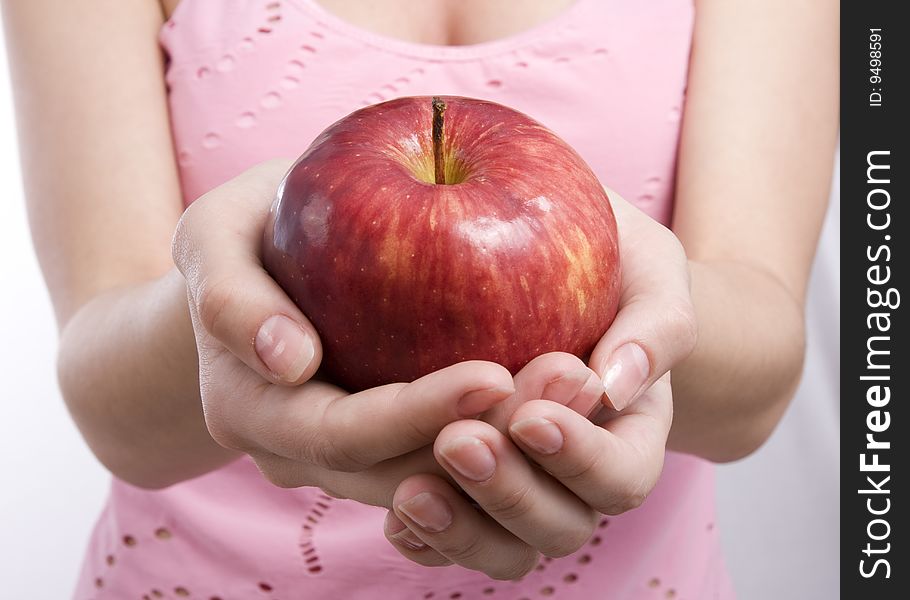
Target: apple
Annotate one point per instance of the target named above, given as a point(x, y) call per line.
point(421, 232)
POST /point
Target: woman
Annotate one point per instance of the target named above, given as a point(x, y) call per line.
point(186, 368)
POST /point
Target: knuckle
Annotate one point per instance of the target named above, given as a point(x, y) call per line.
point(630, 499)
point(226, 402)
point(227, 437)
point(213, 300)
point(180, 242)
point(331, 443)
point(683, 325)
point(218, 425)
point(336, 494)
point(279, 473)
point(415, 430)
point(515, 504)
point(520, 564)
point(277, 478)
point(186, 245)
point(336, 456)
point(426, 557)
point(581, 468)
point(416, 433)
point(568, 541)
point(222, 436)
point(470, 551)
point(673, 242)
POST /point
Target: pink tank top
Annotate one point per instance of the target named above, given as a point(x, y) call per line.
point(250, 80)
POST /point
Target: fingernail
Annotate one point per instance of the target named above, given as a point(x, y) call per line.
point(393, 524)
point(471, 457)
point(408, 539)
point(284, 347)
point(399, 532)
point(539, 434)
point(567, 387)
point(625, 374)
point(429, 511)
point(590, 398)
point(477, 402)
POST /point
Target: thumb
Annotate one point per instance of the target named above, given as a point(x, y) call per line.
point(233, 302)
point(655, 327)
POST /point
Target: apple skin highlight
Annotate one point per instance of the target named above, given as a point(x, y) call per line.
point(514, 256)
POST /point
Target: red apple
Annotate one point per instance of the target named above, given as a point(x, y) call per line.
point(421, 232)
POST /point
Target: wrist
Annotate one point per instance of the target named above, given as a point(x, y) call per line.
point(128, 371)
point(732, 390)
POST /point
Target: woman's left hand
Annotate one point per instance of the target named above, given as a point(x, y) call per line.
point(604, 464)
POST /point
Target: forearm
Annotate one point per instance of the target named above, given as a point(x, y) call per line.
point(128, 371)
point(732, 390)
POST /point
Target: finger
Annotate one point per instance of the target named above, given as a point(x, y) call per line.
point(611, 468)
point(562, 378)
point(556, 376)
point(318, 424)
point(655, 328)
point(375, 486)
point(526, 501)
point(445, 521)
point(217, 248)
point(412, 547)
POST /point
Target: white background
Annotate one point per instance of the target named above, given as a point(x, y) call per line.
point(51, 488)
point(778, 509)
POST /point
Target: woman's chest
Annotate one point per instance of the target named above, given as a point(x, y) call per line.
point(437, 22)
point(253, 79)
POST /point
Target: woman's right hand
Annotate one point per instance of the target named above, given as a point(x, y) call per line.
point(257, 353)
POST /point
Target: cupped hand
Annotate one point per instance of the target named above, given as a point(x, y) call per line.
point(257, 353)
point(592, 459)
point(655, 328)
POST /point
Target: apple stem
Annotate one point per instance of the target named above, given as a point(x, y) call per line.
point(439, 109)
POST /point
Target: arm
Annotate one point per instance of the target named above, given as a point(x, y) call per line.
point(103, 200)
point(754, 174)
point(756, 154)
point(728, 321)
point(755, 165)
point(157, 365)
